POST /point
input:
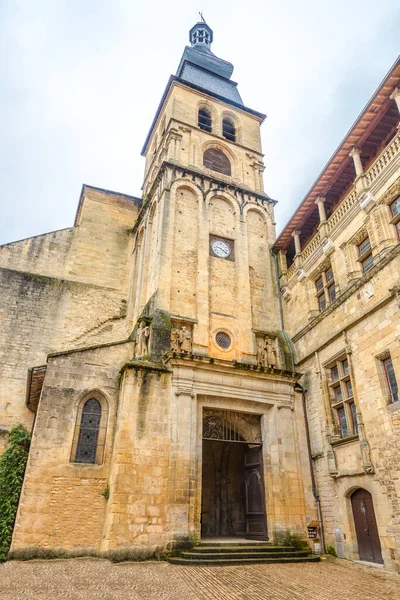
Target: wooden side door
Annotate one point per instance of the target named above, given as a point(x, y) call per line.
point(256, 519)
point(369, 545)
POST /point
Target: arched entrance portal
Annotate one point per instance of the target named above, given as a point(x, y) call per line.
point(233, 498)
point(369, 545)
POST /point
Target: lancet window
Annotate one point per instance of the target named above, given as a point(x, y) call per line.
point(89, 429)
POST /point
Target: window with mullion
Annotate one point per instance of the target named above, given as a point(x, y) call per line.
point(391, 379)
point(395, 208)
point(341, 391)
point(326, 290)
point(365, 255)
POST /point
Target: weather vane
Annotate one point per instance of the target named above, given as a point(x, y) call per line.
point(201, 16)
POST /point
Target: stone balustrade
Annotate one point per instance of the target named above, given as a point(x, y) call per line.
point(386, 157)
point(383, 160)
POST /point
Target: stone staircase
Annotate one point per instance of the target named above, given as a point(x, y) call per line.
point(244, 553)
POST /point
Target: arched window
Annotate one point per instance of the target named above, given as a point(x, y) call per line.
point(217, 161)
point(86, 448)
point(228, 130)
point(204, 120)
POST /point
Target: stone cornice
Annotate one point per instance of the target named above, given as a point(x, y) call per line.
point(199, 177)
point(226, 366)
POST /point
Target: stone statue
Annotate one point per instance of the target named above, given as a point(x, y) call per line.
point(185, 339)
point(270, 353)
point(146, 337)
point(175, 347)
point(260, 354)
point(142, 345)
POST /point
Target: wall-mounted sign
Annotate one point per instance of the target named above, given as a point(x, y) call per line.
point(312, 530)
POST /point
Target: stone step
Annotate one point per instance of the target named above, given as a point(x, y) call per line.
point(240, 561)
point(242, 548)
point(242, 554)
point(244, 543)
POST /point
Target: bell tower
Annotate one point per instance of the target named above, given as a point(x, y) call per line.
point(202, 242)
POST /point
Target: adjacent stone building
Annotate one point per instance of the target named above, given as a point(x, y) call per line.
point(340, 280)
point(186, 374)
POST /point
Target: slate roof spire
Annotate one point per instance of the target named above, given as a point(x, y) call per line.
point(199, 66)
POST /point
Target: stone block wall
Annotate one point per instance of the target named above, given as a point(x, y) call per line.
point(61, 290)
point(62, 502)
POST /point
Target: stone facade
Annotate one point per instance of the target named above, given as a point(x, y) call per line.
point(163, 309)
point(357, 326)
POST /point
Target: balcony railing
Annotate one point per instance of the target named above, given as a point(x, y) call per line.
point(387, 156)
point(311, 246)
point(341, 210)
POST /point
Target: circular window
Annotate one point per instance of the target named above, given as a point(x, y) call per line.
point(223, 340)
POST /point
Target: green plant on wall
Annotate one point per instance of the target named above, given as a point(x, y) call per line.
point(12, 469)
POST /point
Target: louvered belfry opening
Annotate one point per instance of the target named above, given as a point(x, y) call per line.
point(204, 120)
point(89, 432)
point(228, 130)
point(216, 160)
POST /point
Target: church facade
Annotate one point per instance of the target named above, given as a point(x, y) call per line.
point(187, 374)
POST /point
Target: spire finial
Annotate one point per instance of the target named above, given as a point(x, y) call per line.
point(201, 35)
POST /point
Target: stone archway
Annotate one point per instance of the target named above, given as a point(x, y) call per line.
point(233, 498)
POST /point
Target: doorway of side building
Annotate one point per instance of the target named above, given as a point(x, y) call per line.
point(369, 545)
point(233, 497)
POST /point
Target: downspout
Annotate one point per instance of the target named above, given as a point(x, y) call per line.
point(303, 394)
point(313, 482)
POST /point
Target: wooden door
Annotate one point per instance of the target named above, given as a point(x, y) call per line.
point(369, 545)
point(256, 520)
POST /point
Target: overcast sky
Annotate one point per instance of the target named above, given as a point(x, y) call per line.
point(80, 82)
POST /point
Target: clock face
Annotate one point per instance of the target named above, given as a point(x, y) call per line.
point(221, 249)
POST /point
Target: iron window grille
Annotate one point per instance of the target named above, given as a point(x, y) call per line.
point(223, 340)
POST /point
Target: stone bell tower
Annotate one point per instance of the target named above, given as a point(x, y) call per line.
point(202, 250)
point(211, 381)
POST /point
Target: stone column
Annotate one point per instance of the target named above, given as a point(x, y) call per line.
point(355, 155)
point(297, 246)
point(283, 261)
point(323, 230)
point(360, 181)
point(178, 148)
point(321, 208)
point(395, 95)
point(201, 330)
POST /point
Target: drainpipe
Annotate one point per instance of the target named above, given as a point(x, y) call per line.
point(313, 482)
point(303, 395)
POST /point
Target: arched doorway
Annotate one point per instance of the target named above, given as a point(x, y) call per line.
point(233, 497)
point(369, 545)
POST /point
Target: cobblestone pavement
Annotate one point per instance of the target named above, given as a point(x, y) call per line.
point(88, 579)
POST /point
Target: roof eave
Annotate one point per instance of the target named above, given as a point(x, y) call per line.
point(278, 243)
